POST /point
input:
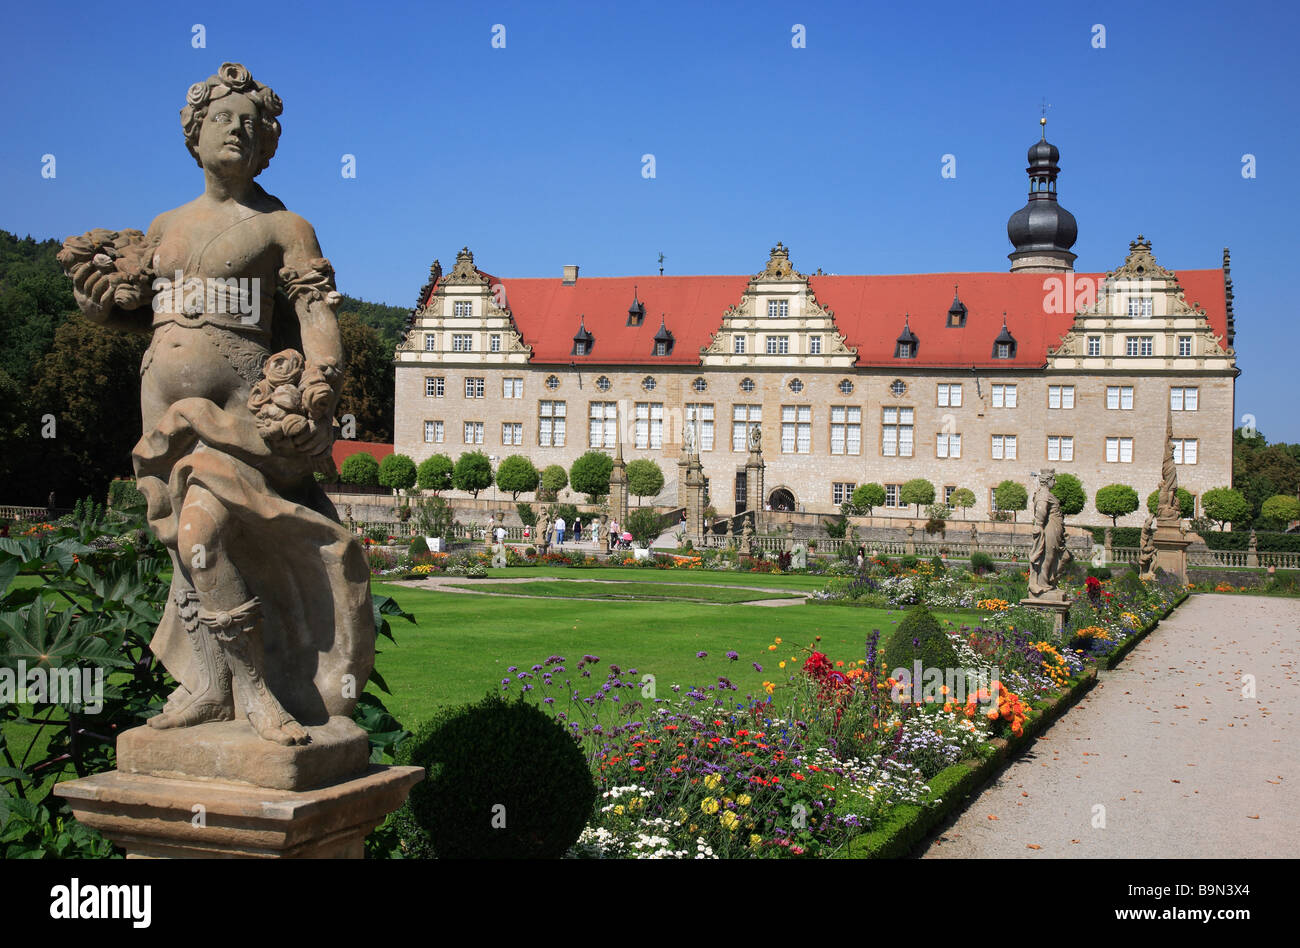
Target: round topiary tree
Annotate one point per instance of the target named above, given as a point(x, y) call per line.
point(590, 475)
point(554, 479)
point(917, 491)
point(434, 473)
point(505, 782)
point(1281, 508)
point(963, 498)
point(1186, 502)
point(472, 473)
point(360, 469)
point(1010, 496)
point(517, 475)
point(867, 496)
point(918, 636)
point(1069, 490)
point(1115, 501)
point(644, 478)
point(397, 471)
point(1225, 505)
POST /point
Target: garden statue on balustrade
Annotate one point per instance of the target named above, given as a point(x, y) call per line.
point(1147, 549)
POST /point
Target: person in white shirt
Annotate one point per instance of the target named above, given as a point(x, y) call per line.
point(559, 531)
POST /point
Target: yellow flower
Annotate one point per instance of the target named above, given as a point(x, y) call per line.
point(712, 781)
point(769, 687)
point(755, 839)
point(782, 665)
point(618, 810)
point(777, 641)
point(729, 820)
point(709, 805)
point(744, 799)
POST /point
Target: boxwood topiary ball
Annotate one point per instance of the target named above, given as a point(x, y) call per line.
point(918, 636)
point(504, 782)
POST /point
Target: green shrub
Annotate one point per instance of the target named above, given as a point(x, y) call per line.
point(981, 562)
point(908, 562)
point(643, 524)
point(397, 471)
point(918, 636)
point(505, 782)
point(418, 547)
point(835, 529)
point(360, 469)
point(1099, 572)
point(936, 563)
point(124, 495)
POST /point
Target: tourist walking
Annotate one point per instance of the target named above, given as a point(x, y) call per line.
point(559, 531)
point(577, 530)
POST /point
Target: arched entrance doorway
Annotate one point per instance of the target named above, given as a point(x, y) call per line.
point(781, 499)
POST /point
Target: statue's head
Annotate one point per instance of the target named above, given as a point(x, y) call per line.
point(227, 106)
point(1047, 478)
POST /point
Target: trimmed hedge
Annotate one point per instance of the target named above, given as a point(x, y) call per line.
point(123, 494)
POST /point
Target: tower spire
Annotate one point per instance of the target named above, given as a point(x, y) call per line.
point(1042, 231)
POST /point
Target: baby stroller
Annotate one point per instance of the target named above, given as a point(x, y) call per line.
point(623, 542)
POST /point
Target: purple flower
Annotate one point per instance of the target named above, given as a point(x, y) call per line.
point(591, 659)
point(548, 701)
point(537, 668)
point(614, 669)
point(757, 667)
point(701, 654)
point(733, 655)
point(512, 669)
point(522, 675)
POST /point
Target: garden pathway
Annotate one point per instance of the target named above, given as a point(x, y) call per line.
point(448, 584)
point(1182, 761)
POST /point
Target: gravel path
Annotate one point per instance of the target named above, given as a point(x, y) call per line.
point(1181, 761)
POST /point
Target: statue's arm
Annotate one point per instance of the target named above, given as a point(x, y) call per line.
point(94, 288)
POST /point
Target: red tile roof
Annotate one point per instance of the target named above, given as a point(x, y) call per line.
point(345, 449)
point(868, 311)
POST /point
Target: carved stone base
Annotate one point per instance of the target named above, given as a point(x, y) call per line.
point(162, 818)
point(1171, 550)
point(231, 751)
point(1059, 608)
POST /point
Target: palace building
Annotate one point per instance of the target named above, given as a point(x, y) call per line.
point(964, 379)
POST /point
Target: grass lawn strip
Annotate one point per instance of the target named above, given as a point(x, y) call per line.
point(571, 589)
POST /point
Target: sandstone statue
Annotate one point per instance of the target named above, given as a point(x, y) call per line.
point(755, 439)
point(1167, 506)
point(1049, 540)
point(269, 619)
point(1147, 549)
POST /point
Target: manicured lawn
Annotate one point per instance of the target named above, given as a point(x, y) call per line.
point(462, 645)
point(684, 592)
point(647, 575)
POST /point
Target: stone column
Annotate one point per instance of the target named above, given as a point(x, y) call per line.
point(618, 487)
point(683, 472)
point(1106, 543)
point(695, 499)
point(909, 546)
point(754, 487)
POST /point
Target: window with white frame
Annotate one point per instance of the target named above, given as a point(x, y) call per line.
point(743, 417)
point(1004, 396)
point(462, 342)
point(430, 342)
point(1184, 450)
point(1138, 345)
point(814, 345)
point(842, 492)
point(778, 345)
point(1094, 345)
point(949, 395)
point(1184, 345)
point(947, 444)
point(661, 347)
point(473, 432)
point(435, 386)
point(1119, 396)
point(948, 491)
point(893, 495)
point(512, 432)
point(796, 429)
point(738, 344)
point(1004, 447)
point(433, 432)
point(602, 424)
point(778, 309)
point(475, 388)
point(649, 428)
point(701, 414)
point(1002, 350)
point(1119, 450)
point(1139, 306)
point(494, 342)
point(846, 429)
point(551, 417)
point(463, 308)
point(1060, 396)
point(1183, 399)
point(1060, 447)
point(896, 432)
point(512, 388)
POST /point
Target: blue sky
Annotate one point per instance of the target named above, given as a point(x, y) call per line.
point(531, 154)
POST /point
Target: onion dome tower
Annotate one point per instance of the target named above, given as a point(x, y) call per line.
point(1042, 231)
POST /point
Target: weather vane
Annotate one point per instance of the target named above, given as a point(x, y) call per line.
point(661, 263)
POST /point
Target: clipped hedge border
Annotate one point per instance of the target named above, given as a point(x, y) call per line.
point(909, 823)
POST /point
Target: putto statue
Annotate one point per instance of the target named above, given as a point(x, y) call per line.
point(1147, 549)
point(1167, 506)
point(755, 439)
point(1049, 540)
point(270, 616)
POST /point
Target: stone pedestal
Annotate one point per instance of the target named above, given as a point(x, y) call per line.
point(695, 499)
point(1059, 608)
point(754, 489)
point(683, 482)
point(167, 818)
point(1171, 550)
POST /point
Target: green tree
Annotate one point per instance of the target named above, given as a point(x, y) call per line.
point(527, 515)
point(963, 498)
point(554, 479)
point(1010, 496)
point(360, 469)
point(867, 496)
point(1186, 502)
point(643, 524)
point(387, 321)
point(473, 473)
point(517, 475)
point(397, 471)
point(590, 475)
point(1225, 505)
point(917, 491)
point(644, 478)
point(1281, 508)
point(367, 393)
point(435, 473)
point(1069, 491)
point(1115, 501)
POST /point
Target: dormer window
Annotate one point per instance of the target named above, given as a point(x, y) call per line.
point(956, 312)
point(663, 340)
point(1139, 306)
point(635, 312)
point(582, 340)
point(1004, 346)
point(778, 309)
point(463, 308)
point(905, 347)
